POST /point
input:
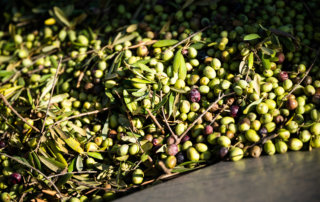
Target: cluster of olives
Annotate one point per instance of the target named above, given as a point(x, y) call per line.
point(140, 104)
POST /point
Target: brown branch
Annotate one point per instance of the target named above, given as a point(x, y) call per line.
point(166, 122)
point(305, 75)
point(14, 111)
point(155, 121)
point(164, 167)
point(222, 110)
point(35, 169)
point(199, 117)
point(81, 115)
point(51, 94)
point(192, 35)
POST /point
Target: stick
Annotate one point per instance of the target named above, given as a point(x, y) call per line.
point(155, 121)
point(81, 115)
point(52, 90)
point(35, 169)
point(14, 111)
point(164, 168)
point(199, 117)
point(192, 35)
point(306, 74)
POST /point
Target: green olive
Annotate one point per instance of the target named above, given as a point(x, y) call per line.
point(269, 148)
point(193, 154)
point(137, 176)
point(315, 129)
point(236, 154)
point(171, 162)
point(252, 136)
point(295, 144)
point(281, 147)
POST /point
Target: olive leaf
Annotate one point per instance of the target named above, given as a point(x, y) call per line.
point(250, 37)
point(165, 43)
point(179, 65)
point(143, 67)
point(162, 103)
point(79, 163)
point(256, 83)
point(250, 60)
point(120, 40)
point(171, 104)
point(265, 62)
point(62, 17)
point(267, 51)
point(251, 106)
point(95, 155)
point(4, 59)
point(52, 164)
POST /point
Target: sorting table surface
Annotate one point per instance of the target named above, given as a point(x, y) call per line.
point(293, 176)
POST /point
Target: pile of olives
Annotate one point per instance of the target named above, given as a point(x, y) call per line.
point(89, 114)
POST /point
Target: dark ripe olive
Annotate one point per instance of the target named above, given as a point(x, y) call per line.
point(180, 157)
point(223, 152)
point(15, 178)
point(194, 95)
point(2, 144)
point(255, 151)
point(292, 104)
point(234, 109)
point(316, 97)
point(185, 138)
point(283, 76)
point(263, 131)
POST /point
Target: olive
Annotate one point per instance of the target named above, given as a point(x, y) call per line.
point(171, 161)
point(137, 176)
point(255, 151)
point(295, 144)
point(224, 141)
point(252, 136)
point(269, 148)
point(281, 147)
point(236, 154)
point(292, 104)
point(193, 154)
point(172, 149)
point(15, 178)
point(315, 129)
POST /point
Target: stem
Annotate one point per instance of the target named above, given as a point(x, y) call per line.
point(81, 115)
point(199, 117)
point(76, 172)
point(192, 35)
point(155, 121)
point(306, 74)
point(14, 111)
point(35, 169)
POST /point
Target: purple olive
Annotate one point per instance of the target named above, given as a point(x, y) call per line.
point(263, 131)
point(223, 152)
point(194, 95)
point(172, 149)
point(281, 58)
point(208, 130)
point(185, 138)
point(2, 144)
point(15, 178)
point(234, 109)
point(283, 76)
point(180, 158)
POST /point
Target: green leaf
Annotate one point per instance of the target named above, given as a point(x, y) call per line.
point(162, 103)
point(265, 62)
point(288, 44)
point(267, 51)
point(5, 73)
point(4, 59)
point(55, 99)
point(79, 163)
point(198, 45)
point(22, 159)
point(61, 16)
point(142, 67)
point(191, 162)
point(144, 157)
point(132, 28)
point(250, 37)
point(95, 155)
point(122, 158)
point(52, 164)
point(179, 65)
point(251, 106)
point(171, 103)
point(165, 43)
point(182, 169)
point(137, 80)
point(124, 39)
point(47, 88)
point(74, 144)
point(124, 121)
point(256, 83)
point(49, 48)
point(250, 60)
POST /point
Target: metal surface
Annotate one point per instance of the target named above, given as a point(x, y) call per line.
point(294, 176)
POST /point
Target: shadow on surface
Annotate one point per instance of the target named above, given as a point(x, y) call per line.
point(294, 176)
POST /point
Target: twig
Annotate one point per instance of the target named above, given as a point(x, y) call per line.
point(51, 94)
point(199, 117)
point(305, 75)
point(192, 35)
point(81, 115)
point(222, 110)
point(155, 121)
point(166, 122)
point(35, 169)
point(14, 111)
point(76, 172)
point(164, 168)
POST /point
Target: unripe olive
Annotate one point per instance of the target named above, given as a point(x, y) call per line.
point(134, 149)
point(305, 136)
point(295, 144)
point(281, 147)
point(201, 147)
point(224, 141)
point(315, 141)
point(186, 145)
point(171, 162)
point(269, 148)
point(137, 176)
point(315, 129)
point(236, 154)
point(192, 154)
point(123, 150)
point(209, 72)
point(252, 136)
